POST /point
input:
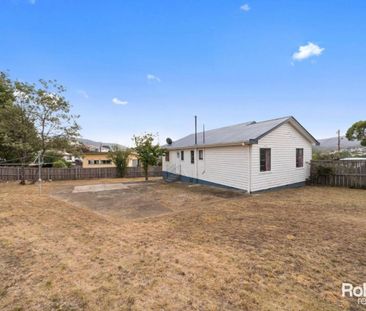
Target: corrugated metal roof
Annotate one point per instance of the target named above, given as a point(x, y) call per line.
point(248, 132)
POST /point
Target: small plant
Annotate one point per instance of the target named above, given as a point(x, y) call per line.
point(147, 152)
point(120, 159)
point(48, 284)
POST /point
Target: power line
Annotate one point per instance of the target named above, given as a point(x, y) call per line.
point(13, 159)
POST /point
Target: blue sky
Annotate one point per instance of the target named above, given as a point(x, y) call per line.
point(133, 66)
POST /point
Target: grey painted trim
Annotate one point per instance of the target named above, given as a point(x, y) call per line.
point(289, 186)
point(209, 183)
point(255, 140)
point(290, 118)
point(316, 142)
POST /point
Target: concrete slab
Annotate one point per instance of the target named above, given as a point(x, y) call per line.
point(101, 187)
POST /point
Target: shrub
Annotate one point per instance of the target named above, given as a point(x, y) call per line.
point(60, 164)
point(323, 170)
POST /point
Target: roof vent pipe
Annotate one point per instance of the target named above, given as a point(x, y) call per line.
point(203, 135)
point(195, 130)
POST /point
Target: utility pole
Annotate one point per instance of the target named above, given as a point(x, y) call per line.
point(339, 140)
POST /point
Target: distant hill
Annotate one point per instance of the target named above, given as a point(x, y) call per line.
point(330, 144)
point(97, 144)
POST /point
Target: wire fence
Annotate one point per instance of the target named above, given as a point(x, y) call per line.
point(50, 173)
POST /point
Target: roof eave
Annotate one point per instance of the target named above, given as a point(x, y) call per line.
point(240, 143)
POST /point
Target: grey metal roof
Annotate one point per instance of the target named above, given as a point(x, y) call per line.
point(248, 132)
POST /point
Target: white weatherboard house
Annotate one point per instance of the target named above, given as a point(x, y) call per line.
point(251, 156)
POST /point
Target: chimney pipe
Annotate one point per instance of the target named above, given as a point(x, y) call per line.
point(195, 130)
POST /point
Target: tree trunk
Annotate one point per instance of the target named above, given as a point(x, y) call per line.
point(22, 175)
point(22, 179)
point(146, 170)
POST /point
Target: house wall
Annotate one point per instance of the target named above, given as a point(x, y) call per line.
point(283, 142)
point(132, 160)
point(95, 156)
point(227, 166)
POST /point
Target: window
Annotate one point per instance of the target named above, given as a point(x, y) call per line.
point(106, 161)
point(192, 156)
point(200, 154)
point(265, 159)
point(178, 155)
point(182, 155)
point(299, 157)
point(93, 162)
point(167, 156)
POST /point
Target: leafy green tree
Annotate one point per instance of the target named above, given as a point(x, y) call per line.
point(34, 118)
point(120, 159)
point(6, 114)
point(6, 90)
point(357, 132)
point(56, 126)
point(18, 136)
point(147, 152)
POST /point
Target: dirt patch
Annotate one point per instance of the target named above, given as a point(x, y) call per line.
point(126, 200)
point(140, 200)
point(285, 250)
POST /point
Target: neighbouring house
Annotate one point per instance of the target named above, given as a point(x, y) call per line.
point(100, 159)
point(70, 158)
point(251, 156)
point(100, 148)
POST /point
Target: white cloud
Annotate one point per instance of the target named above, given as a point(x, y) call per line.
point(152, 77)
point(83, 93)
point(117, 101)
point(245, 7)
point(32, 1)
point(306, 51)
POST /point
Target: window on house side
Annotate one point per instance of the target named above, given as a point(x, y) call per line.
point(167, 156)
point(265, 159)
point(200, 154)
point(192, 156)
point(182, 155)
point(299, 157)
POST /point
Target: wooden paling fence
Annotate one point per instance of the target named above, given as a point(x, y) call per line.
point(50, 173)
point(341, 173)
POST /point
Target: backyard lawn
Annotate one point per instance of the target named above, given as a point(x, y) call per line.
point(157, 246)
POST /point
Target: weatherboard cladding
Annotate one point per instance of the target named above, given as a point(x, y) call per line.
point(283, 142)
point(248, 132)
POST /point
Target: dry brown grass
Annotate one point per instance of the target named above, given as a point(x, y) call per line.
point(204, 249)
